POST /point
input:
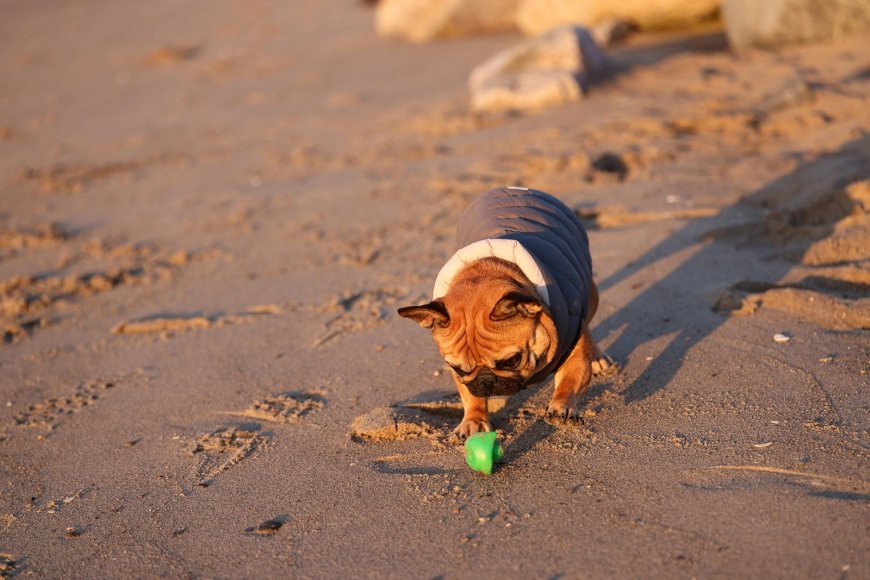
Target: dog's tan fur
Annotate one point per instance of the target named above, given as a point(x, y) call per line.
point(492, 312)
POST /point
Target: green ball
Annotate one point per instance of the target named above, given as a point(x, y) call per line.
point(482, 451)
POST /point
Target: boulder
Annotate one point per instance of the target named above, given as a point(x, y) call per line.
point(425, 20)
point(611, 31)
point(772, 23)
point(527, 92)
point(536, 16)
point(551, 69)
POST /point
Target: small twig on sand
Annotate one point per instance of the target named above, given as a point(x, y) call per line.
point(858, 484)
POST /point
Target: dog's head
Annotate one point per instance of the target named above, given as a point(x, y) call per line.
point(490, 327)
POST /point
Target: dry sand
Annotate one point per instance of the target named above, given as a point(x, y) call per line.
point(211, 210)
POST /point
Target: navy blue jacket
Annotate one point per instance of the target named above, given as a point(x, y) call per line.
point(554, 237)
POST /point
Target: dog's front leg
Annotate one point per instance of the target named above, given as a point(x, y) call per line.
point(475, 417)
point(573, 379)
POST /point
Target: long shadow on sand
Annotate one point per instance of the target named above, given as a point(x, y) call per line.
point(625, 58)
point(651, 315)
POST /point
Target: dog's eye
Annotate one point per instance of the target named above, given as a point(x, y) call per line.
point(509, 363)
point(459, 372)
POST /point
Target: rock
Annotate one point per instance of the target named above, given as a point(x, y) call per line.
point(527, 92)
point(771, 23)
point(610, 31)
point(536, 16)
point(551, 69)
point(425, 20)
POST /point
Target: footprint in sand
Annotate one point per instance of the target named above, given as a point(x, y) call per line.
point(48, 414)
point(220, 450)
point(225, 448)
point(285, 408)
point(30, 302)
point(14, 239)
point(357, 312)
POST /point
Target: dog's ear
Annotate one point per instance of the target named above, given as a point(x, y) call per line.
point(427, 315)
point(516, 304)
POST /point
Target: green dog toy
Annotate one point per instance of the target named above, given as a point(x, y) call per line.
point(482, 450)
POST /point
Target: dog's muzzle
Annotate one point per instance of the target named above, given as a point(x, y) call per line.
point(486, 384)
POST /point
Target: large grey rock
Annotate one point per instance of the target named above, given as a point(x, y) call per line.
point(771, 23)
point(609, 32)
point(552, 69)
point(425, 20)
point(536, 16)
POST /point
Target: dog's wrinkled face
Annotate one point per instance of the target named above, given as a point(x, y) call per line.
point(493, 333)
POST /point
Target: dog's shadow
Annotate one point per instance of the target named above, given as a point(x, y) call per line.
point(524, 437)
point(655, 314)
point(528, 439)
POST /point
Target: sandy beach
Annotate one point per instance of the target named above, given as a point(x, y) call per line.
point(210, 212)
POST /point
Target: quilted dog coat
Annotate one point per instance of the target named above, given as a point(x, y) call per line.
point(545, 239)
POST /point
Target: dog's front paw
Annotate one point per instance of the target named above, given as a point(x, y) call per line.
point(563, 410)
point(604, 365)
point(469, 427)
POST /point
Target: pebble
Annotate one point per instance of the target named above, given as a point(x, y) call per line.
point(780, 337)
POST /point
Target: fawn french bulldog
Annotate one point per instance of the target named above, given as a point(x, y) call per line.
point(514, 304)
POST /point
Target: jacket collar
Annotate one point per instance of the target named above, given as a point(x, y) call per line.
point(508, 250)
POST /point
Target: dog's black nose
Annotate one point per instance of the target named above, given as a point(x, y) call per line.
point(486, 384)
